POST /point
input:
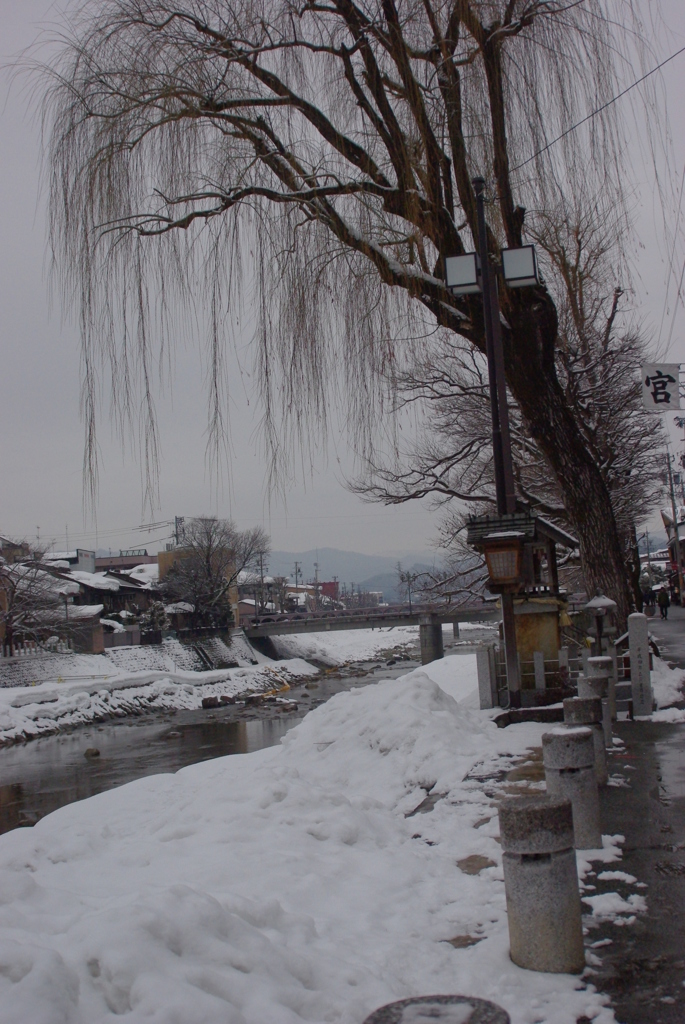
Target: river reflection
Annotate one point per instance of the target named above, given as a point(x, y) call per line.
point(40, 776)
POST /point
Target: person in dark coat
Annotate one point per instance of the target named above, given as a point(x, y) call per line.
point(663, 600)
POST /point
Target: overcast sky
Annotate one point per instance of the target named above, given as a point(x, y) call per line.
point(42, 433)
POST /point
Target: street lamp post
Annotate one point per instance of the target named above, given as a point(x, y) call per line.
point(468, 274)
point(501, 438)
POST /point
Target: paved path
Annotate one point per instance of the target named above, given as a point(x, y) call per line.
point(670, 635)
point(643, 969)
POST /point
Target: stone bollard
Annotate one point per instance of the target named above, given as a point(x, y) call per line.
point(640, 676)
point(598, 682)
point(588, 711)
point(568, 754)
point(541, 884)
point(449, 1009)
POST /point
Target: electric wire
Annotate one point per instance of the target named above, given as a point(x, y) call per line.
point(599, 110)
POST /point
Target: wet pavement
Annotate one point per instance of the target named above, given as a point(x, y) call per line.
point(670, 635)
point(643, 967)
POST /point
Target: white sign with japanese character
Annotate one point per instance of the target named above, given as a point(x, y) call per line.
point(660, 386)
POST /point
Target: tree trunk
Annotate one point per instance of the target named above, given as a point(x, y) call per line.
point(585, 493)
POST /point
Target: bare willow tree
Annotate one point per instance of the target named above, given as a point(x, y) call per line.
point(598, 357)
point(213, 555)
point(328, 148)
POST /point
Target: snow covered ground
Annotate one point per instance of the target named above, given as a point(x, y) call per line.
point(292, 884)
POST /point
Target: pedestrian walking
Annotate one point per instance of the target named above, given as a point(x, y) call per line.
point(663, 600)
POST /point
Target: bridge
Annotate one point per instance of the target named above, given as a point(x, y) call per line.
point(429, 619)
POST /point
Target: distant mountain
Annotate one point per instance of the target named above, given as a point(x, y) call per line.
point(348, 566)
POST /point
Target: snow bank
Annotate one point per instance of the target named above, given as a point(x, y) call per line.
point(28, 712)
point(667, 684)
point(339, 647)
point(283, 886)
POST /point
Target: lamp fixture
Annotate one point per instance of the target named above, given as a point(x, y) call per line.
point(520, 266)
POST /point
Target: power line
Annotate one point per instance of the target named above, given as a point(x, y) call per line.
point(599, 110)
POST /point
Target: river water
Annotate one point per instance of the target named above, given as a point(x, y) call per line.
point(44, 774)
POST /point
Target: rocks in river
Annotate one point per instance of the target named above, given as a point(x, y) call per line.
point(392, 661)
point(254, 698)
point(210, 702)
point(91, 752)
point(227, 700)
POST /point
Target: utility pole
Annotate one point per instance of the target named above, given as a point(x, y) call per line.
point(501, 438)
point(179, 530)
point(317, 602)
point(261, 579)
point(296, 573)
point(679, 563)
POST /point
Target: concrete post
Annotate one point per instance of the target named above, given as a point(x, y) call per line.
point(430, 635)
point(455, 630)
point(613, 679)
point(541, 884)
point(539, 669)
point(568, 754)
point(448, 1009)
point(487, 682)
point(588, 711)
point(563, 663)
point(640, 678)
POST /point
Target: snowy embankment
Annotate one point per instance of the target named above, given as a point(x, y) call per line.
point(352, 645)
point(292, 884)
point(340, 647)
point(30, 711)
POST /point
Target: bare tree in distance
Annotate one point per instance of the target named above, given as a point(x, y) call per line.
point(34, 604)
point(598, 359)
point(214, 554)
point(329, 150)
point(280, 589)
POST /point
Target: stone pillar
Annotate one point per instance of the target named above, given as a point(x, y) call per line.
point(430, 634)
point(588, 711)
point(596, 683)
point(568, 754)
point(640, 677)
point(455, 630)
point(541, 884)
point(487, 680)
point(539, 669)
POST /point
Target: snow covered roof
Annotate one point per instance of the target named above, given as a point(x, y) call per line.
point(245, 578)
point(178, 607)
point(146, 574)
point(113, 624)
point(96, 580)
